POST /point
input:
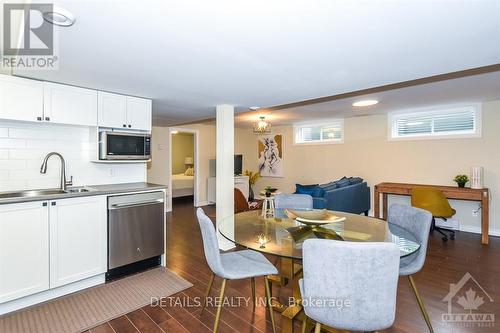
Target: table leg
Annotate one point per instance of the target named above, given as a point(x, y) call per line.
point(485, 223)
point(384, 206)
point(376, 202)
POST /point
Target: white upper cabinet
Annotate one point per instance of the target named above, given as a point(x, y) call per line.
point(78, 239)
point(24, 249)
point(120, 111)
point(21, 99)
point(69, 105)
point(139, 113)
point(112, 110)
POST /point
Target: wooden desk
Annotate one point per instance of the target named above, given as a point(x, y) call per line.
point(451, 192)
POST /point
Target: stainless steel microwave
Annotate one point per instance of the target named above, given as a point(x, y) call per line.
point(124, 146)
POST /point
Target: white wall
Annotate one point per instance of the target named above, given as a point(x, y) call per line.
point(367, 153)
point(159, 171)
point(24, 145)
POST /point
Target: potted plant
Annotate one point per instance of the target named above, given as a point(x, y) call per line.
point(269, 190)
point(252, 179)
point(461, 180)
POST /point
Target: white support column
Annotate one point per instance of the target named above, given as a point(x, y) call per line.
point(225, 172)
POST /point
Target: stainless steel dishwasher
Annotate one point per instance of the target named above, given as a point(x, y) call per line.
point(136, 235)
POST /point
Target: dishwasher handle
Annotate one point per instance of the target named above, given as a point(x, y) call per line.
point(135, 204)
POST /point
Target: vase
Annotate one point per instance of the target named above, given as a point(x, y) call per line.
point(251, 195)
point(461, 185)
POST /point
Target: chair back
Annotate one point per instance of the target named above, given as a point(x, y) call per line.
point(350, 285)
point(293, 201)
point(210, 243)
point(432, 200)
point(418, 222)
point(240, 202)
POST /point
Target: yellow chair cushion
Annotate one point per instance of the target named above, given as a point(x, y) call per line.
point(432, 200)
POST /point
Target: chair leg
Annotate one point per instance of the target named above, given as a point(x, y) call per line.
point(208, 293)
point(317, 329)
point(304, 324)
point(219, 308)
point(420, 303)
point(252, 280)
point(268, 302)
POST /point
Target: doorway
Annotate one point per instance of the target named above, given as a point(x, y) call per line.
point(183, 180)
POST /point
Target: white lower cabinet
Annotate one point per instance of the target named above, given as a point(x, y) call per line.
point(24, 249)
point(78, 238)
point(48, 244)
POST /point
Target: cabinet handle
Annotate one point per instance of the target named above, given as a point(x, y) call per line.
point(39, 118)
point(44, 204)
point(129, 126)
point(124, 125)
point(53, 203)
point(47, 118)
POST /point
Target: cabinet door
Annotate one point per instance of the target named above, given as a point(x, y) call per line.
point(20, 99)
point(78, 231)
point(111, 110)
point(69, 105)
point(24, 249)
point(139, 113)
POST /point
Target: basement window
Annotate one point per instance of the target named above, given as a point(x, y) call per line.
point(320, 132)
point(448, 122)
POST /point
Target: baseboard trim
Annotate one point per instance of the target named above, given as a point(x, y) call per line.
point(203, 203)
point(477, 230)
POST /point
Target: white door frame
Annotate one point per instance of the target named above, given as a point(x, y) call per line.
point(196, 134)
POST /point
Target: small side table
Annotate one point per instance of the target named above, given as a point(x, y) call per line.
point(267, 206)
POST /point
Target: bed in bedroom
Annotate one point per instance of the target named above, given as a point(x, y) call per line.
point(182, 185)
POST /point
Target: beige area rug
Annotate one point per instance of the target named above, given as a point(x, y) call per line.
point(88, 308)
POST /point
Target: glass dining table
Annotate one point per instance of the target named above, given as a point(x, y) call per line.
point(283, 237)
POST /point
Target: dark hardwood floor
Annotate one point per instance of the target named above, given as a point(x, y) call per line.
point(446, 264)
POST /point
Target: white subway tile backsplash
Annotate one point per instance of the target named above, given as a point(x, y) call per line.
point(4, 154)
point(12, 143)
point(24, 145)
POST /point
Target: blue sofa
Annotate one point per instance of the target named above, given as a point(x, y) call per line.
point(351, 195)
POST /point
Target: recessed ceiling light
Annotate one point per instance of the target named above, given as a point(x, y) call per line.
point(175, 132)
point(60, 17)
point(254, 108)
point(366, 102)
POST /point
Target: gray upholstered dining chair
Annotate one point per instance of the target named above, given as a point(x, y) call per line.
point(293, 201)
point(349, 285)
point(418, 222)
point(232, 266)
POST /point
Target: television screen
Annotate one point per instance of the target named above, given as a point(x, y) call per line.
point(238, 164)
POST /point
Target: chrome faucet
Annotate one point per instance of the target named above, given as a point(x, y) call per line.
point(43, 169)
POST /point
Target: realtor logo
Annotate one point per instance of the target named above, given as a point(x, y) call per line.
point(464, 301)
point(27, 39)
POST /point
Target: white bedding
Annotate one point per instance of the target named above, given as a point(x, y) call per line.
point(180, 181)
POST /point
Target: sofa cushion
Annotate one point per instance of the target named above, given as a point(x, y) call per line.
point(313, 190)
point(343, 182)
point(355, 180)
point(328, 186)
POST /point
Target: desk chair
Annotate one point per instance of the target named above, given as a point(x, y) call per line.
point(434, 201)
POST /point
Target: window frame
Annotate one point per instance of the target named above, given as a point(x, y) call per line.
point(393, 117)
point(322, 123)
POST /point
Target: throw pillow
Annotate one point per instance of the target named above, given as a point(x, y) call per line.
point(306, 189)
point(355, 180)
point(343, 182)
point(328, 186)
point(189, 172)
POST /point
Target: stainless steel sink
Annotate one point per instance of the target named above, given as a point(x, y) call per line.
point(83, 189)
point(37, 193)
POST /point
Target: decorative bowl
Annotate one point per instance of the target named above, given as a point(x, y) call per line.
point(313, 216)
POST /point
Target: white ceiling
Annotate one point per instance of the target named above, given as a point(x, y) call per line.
point(471, 89)
point(192, 55)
